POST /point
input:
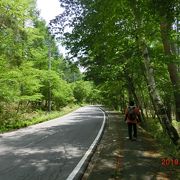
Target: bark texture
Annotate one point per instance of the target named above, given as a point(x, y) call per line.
point(157, 102)
point(172, 67)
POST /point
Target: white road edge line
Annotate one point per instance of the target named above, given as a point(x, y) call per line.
point(83, 159)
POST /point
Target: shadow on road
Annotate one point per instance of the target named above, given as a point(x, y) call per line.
point(119, 158)
point(45, 151)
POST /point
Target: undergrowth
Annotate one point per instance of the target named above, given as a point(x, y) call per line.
point(14, 121)
point(167, 147)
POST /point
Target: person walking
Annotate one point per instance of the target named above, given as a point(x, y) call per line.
point(132, 117)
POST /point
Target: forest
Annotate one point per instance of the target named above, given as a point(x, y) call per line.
point(129, 49)
point(35, 79)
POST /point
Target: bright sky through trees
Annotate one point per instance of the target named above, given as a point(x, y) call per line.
point(49, 9)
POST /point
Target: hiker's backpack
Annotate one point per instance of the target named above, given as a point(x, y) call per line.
point(131, 113)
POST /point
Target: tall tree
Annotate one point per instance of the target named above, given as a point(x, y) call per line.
point(168, 13)
point(154, 92)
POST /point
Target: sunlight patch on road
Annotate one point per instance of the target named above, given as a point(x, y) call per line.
point(41, 165)
point(31, 151)
point(151, 154)
point(73, 152)
point(161, 176)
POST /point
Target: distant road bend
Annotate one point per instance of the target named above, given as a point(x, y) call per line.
point(53, 150)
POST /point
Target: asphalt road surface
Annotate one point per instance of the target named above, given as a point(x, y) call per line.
point(49, 150)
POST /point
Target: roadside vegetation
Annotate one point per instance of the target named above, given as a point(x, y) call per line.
point(36, 82)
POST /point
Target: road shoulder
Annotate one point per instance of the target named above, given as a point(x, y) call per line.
point(118, 158)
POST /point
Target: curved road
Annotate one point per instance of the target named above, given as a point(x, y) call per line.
point(49, 150)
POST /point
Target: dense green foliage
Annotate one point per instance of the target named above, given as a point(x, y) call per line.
point(130, 49)
point(34, 76)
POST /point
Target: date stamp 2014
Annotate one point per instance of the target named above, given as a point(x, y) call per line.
point(170, 162)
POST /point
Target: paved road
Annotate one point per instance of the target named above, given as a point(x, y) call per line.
point(49, 150)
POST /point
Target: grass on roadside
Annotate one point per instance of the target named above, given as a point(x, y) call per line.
point(168, 148)
point(32, 118)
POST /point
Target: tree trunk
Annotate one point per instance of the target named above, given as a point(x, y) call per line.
point(172, 68)
point(122, 102)
point(144, 103)
point(168, 104)
point(132, 92)
point(157, 102)
point(153, 91)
